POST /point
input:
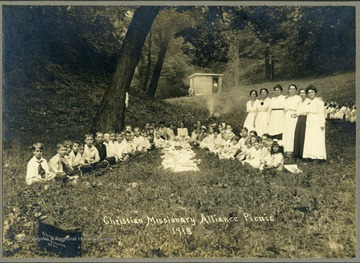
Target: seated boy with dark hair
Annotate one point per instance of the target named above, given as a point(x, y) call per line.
point(77, 159)
point(101, 147)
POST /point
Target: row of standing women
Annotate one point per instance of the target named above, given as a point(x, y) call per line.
point(297, 119)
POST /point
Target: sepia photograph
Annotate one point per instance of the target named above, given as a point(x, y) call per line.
point(176, 131)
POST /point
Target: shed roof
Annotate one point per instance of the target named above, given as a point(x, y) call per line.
point(206, 74)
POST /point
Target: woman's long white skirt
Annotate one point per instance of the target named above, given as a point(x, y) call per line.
point(249, 121)
point(261, 122)
point(289, 131)
point(314, 144)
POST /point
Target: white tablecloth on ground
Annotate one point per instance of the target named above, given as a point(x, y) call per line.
point(179, 157)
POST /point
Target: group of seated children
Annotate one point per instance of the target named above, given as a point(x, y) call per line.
point(74, 158)
point(258, 152)
point(336, 111)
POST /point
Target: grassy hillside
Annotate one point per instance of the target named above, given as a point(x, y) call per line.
point(314, 211)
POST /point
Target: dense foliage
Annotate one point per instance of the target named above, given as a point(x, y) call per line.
point(303, 41)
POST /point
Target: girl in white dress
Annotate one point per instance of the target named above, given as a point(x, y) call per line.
point(276, 158)
point(208, 140)
point(182, 132)
point(276, 112)
point(217, 144)
point(261, 118)
point(314, 144)
point(244, 136)
point(258, 156)
point(251, 109)
point(246, 151)
point(290, 106)
point(229, 150)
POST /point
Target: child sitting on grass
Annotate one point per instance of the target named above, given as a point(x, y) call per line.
point(101, 147)
point(229, 151)
point(37, 168)
point(201, 135)
point(60, 166)
point(228, 133)
point(75, 156)
point(257, 156)
point(68, 144)
point(182, 132)
point(217, 144)
point(91, 153)
point(125, 148)
point(145, 143)
point(139, 143)
point(208, 140)
point(194, 136)
point(222, 128)
point(245, 152)
point(110, 146)
point(170, 132)
point(244, 135)
point(162, 130)
point(159, 142)
point(275, 159)
point(119, 139)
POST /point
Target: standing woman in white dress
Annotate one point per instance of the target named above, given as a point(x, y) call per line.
point(276, 113)
point(314, 144)
point(251, 108)
point(290, 106)
point(261, 114)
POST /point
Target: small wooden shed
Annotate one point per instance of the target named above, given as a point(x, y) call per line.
point(205, 83)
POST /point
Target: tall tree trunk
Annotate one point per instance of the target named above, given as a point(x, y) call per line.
point(272, 68)
point(111, 112)
point(267, 64)
point(148, 67)
point(237, 66)
point(158, 66)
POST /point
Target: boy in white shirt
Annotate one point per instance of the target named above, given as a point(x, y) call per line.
point(91, 154)
point(37, 168)
point(125, 148)
point(110, 145)
point(137, 140)
point(75, 155)
point(59, 164)
point(145, 143)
